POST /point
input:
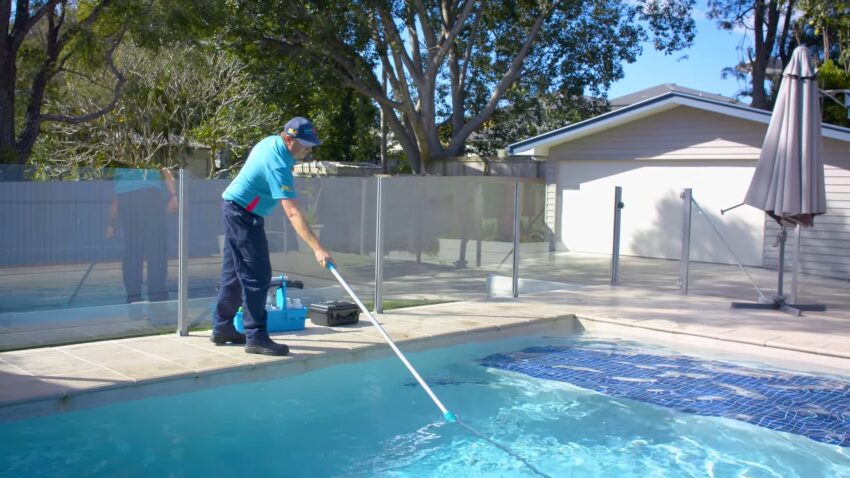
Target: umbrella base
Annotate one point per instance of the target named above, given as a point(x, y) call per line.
point(780, 304)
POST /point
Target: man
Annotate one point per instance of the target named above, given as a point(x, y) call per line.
point(264, 180)
point(140, 204)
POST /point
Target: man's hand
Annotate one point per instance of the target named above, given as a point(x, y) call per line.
point(110, 232)
point(323, 257)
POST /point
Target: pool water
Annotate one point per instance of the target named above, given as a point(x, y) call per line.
point(370, 419)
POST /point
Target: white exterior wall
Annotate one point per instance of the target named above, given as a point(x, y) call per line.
point(551, 212)
point(653, 159)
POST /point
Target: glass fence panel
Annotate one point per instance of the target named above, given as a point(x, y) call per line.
point(93, 254)
point(650, 241)
point(341, 212)
point(563, 241)
point(205, 243)
point(444, 236)
point(650, 236)
point(87, 259)
point(719, 242)
point(537, 257)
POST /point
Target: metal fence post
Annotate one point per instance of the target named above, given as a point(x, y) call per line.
point(515, 272)
point(615, 250)
point(363, 184)
point(420, 193)
point(684, 261)
point(183, 256)
point(379, 249)
point(479, 214)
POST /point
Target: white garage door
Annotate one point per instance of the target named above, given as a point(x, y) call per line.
point(652, 217)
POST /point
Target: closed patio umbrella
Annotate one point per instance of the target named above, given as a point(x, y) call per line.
point(788, 183)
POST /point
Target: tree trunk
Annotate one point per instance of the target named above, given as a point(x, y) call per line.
point(457, 93)
point(32, 118)
point(400, 131)
point(759, 93)
point(7, 109)
point(762, 56)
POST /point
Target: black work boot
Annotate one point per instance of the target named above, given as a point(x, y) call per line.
point(229, 336)
point(266, 346)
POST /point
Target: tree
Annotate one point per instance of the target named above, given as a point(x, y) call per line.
point(833, 77)
point(454, 62)
point(830, 20)
point(44, 41)
point(529, 116)
point(41, 37)
point(825, 28)
point(174, 98)
point(770, 23)
point(347, 122)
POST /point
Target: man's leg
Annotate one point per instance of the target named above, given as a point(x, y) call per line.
point(228, 303)
point(247, 238)
point(156, 244)
point(129, 213)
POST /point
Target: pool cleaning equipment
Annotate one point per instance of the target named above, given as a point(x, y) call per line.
point(447, 415)
point(284, 314)
point(334, 313)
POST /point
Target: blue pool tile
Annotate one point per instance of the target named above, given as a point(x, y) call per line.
point(815, 407)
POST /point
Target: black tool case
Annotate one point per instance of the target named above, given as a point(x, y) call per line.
point(333, 313)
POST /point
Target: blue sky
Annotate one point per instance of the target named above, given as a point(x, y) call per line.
point(712, 51)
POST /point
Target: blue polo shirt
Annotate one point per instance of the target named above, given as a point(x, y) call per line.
point(265, 179)
point(126, 180)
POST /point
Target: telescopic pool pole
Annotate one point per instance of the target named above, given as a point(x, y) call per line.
point(80, 284)
point(449, 416)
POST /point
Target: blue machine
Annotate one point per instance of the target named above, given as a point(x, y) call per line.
point(280, 318)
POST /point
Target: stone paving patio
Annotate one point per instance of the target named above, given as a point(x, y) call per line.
point(53, 379)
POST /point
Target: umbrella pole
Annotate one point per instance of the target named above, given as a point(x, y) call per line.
point(796, 272)
point(779, 301)
point(783, 234)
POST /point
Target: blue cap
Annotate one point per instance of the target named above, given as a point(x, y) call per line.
point(303, 130)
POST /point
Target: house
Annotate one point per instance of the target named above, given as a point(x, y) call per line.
point(660, 141)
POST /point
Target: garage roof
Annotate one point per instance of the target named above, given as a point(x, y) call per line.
point(672, 98)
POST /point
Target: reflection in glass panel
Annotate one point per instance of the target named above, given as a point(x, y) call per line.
point(89, 258)
point(444, 236)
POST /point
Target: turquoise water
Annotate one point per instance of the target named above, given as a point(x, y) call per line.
point(370, 420)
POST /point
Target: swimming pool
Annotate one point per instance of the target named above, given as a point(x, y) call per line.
point(371, 419)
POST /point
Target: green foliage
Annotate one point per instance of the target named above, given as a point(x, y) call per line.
point(831, 77)
point(63, 39)
point(830, 24)
point(466, 71)
point(528, 116)
point(400, 163)
point(762, 18)
point(346, 122)
point(821, 25)
point(449, 64)
point(175, 100)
